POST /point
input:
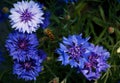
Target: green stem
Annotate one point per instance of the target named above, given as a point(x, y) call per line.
point(101, 35)
point(50, 70)
point(95, 81)
point(65, 79)
point(34, 81)
point(69, 73)
point(3, 74)
point(8, 2)
point(115, 47)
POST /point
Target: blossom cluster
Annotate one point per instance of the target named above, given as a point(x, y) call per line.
point(26, 17)
point(87, 58)
point(27, 58)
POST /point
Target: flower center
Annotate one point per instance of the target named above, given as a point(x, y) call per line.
point(92, 62)
point(27, 65)
point(26, 16)
point(76, 52)
point(22, 44)
point(93, 59)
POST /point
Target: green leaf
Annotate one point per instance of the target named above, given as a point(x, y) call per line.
point(99, 22)
point(102, 13)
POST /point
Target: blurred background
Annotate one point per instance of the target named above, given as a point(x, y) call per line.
point(99, 19)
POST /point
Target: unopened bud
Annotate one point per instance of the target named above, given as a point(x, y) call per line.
point(5, 10)
point(67, 17)
point(44, 8)
point(118, 50)
point(111, 30)
point(48, 58)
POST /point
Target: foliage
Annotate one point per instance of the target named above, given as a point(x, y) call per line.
point(93, 18)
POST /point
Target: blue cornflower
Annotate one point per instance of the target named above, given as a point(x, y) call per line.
point(97, 62)
point(46, 21)
point(21, 45)
point(73, 51)
point(67, 1)
point(28, 69)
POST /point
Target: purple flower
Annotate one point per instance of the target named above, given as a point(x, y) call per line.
point(28, 69)
point(26, 16)
point(97, 62)
point(22, 45)
point(73, 51)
